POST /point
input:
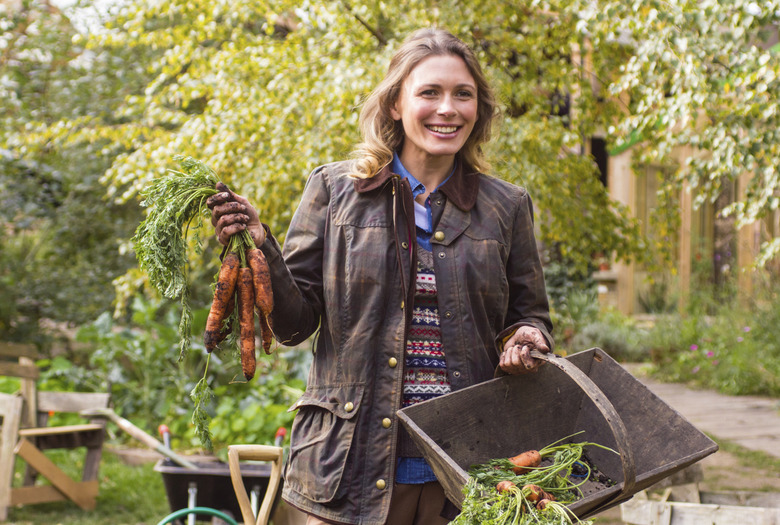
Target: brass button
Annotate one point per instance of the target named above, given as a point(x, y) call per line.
point(439, 235)
point(456, 373)
point(447, 314)
point(405, 245)
point(393, 362)
point(349, 407)
point(442, 255)
point(380, 484)
point(386, 422)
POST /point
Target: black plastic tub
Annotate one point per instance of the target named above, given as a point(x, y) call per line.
point(212, 486)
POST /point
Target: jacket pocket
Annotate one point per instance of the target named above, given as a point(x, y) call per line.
point(321, 437)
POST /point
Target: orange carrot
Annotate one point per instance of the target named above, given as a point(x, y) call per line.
point(226, 284)
point(535, 493)
point(246, 319)
point(505, 486)
point(264, 294)
point(542, 503)
point(227, 327)
point(523, 462)
point(266, 334)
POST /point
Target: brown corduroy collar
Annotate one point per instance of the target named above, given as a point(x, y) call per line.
point(461, 188)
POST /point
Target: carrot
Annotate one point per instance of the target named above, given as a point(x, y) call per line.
point(536, 493)
point(264, 294)
point(226, 284)
point(505, 486)
point(525, 461)
point(246, 319)
point(227, 327)
point(542, 503)
point(266, 334)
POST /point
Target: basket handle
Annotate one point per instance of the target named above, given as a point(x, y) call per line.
point(255, 453)
point(607, 410)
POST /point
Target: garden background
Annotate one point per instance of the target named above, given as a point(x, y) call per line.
point(97, 98)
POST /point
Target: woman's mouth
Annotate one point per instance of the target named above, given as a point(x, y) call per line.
point(446, 130)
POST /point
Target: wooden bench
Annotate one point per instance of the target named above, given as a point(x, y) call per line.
point(26, 435)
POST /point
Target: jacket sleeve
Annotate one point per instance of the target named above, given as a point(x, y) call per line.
point(528, 302)
point(296, 270)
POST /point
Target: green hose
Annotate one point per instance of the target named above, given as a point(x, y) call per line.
point(198, 510)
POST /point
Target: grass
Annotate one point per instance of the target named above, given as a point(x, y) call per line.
point(129, 495)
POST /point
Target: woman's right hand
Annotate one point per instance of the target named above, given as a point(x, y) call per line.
point(232, 214)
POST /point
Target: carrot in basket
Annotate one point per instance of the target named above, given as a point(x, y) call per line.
point(264, 294)
point(246, 319)
point(535, 493)
point(523, 462)
point(223, 293)
point(505, 486)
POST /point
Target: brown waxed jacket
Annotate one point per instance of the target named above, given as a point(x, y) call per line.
point(347, 269)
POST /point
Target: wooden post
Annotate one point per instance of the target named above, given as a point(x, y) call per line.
point(748, 242)
point(684, 258)
point(621, 183)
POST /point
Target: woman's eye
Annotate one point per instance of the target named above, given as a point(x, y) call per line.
point(428, 93)
point(465, 94)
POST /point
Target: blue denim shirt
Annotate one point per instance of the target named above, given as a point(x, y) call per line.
point(416, 470)
point(423, 215)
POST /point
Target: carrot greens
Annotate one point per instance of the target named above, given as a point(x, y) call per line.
point(495, 495)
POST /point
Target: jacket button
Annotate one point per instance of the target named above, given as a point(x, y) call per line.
point(442, 255)
point(386, 422)
point(438, 202)
point(439, 235)
point(456, 373)
point(380, 484)
point(393, 362)
point(447, 314)
point(349, 407)
point(405, 245)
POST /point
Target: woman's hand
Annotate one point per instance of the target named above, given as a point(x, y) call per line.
point(516, 358)
point(232, 214)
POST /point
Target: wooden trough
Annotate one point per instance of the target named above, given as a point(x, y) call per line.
point(588, 392)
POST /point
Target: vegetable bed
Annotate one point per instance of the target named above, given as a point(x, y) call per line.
point(587, 397)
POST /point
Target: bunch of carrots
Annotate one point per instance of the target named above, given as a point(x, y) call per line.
point(243, 285)
point(524, 490)
point(177, 208)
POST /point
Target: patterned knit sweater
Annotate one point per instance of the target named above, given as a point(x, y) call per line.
point(425, 374)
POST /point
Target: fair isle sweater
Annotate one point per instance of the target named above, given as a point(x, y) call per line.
point(425, 374)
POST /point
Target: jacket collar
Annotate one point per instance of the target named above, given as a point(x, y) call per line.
point(461, 188)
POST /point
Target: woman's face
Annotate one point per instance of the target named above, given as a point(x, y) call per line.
point(437, 105)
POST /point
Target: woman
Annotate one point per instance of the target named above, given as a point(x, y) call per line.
point(420, 272)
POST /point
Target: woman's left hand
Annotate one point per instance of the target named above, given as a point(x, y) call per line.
point(516, 358)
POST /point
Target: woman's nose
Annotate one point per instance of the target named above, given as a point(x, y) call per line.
point(446, 107)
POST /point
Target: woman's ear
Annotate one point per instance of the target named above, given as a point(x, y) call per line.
point(394, 111)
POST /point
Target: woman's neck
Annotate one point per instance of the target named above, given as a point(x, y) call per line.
point(430, 170)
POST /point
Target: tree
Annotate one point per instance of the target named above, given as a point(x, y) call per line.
point(60, 238)
point(265, 91)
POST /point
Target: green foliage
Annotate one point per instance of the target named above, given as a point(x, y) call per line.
point(620, 336)
point(735, 351)
point(139, 365)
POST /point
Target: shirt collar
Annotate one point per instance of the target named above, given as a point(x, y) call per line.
point(461, 188)
point(417, 187)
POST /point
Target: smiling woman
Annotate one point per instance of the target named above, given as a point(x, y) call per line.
point(437, 107)
point(421, 274)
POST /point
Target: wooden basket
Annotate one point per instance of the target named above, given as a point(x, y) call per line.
point(588, 392)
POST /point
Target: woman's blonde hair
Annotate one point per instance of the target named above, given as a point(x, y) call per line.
point(382, 135)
